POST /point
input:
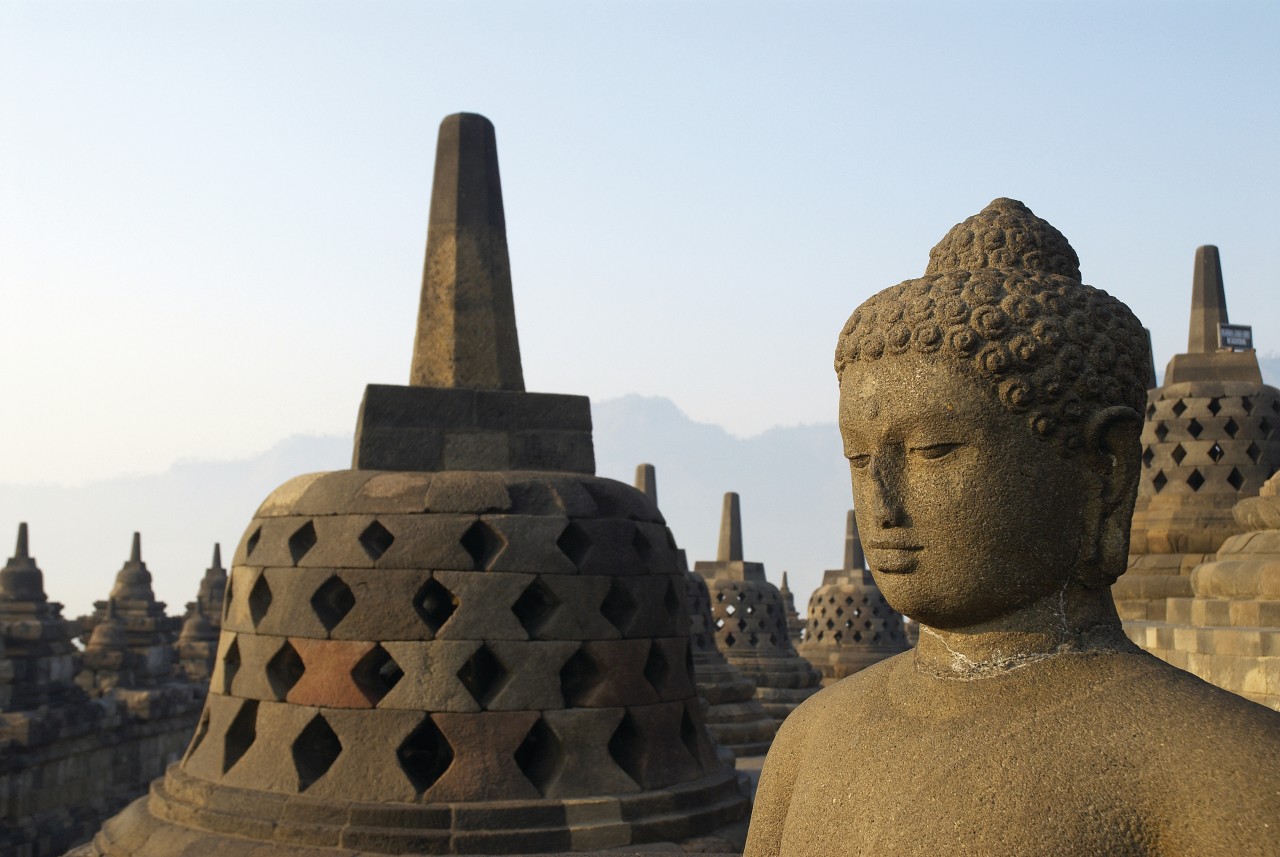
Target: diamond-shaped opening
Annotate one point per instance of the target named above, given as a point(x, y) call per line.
point(230, 666)
point(314, 751)
point(730, 610)
point(483, 675)
point(1162, 431)
point(1232, 428)
point(729, 640)
point(1235, 479)
point(240, 734)
point(689, 735)
point(742, 624)
point(671, 601)
point(719, 624)
point(376, 540)
point(857, 636)
point(1178, 454)
point(332, 602)
point(226, 599)
point(1216, 453)
point(831, 623)
point(618, 606)
point(284, 669)
point(376, 674)
point(483, 544)
point(435, 604)
point(750, 609)
point(202, 730)
point(302, 540)
point(1151, 410)
point(1264, 426)
point(875, 611)
point(627, 748)
point(1247, 404)
point(839, 635)
point(535, 606)
point(1214, 406)
point(1178, 408)
point(1195, 480)
point(839, 611)
point(540, 757)
point(1194, 428)
point(657, 670)
point(574, 543)
point(643, 548)
point(1159, 481)
point(579, 677)
point(1147, 457)
point(259, 599)
point(252, 542)
point(1253, 452)
point(720, 596)
point(425, 755)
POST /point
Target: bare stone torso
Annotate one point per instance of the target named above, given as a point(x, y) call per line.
point(1107, 754)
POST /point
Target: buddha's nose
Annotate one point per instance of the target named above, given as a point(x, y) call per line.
point(886, 498)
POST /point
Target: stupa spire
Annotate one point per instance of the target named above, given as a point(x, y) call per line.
point(647, 481)
point(854, 558)
point(730, 530)
point(20, 551)
point(135, 553)
point(216, 565)
point(1208, 301)
point(466, 317)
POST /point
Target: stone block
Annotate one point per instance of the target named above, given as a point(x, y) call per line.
point(576, 614)
point(484, 766)
point(484, 601)
point(530, 544)
point(383, 605)
point(475, 450)
point(395, 493)
point(514, 411)
point(583, 765)
point(426, 542)
point(328, 679)
point(430, 681)
point(404, 449)
point(468, 492)
point(527, 666)
point(331, 493)
point(551, 450)
point(373, 772)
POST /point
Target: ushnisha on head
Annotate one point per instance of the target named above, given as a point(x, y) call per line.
point(990, 412)
point(1002, 301)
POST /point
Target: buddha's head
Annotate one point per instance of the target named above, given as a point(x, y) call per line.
point(990, 412)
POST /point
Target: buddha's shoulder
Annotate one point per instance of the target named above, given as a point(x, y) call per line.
point(853, 697)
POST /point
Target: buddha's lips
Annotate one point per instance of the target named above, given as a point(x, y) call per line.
point(893, 558)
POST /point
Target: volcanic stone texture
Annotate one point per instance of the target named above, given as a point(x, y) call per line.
point(68, 761)
point(1228, 632)
point(750, 622)
point(735, 718)
point(1211, 438)
point(458, 662)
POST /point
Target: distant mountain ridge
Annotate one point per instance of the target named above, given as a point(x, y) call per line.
point(793, 481)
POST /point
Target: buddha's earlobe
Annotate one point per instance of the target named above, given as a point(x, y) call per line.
point(1112, 436)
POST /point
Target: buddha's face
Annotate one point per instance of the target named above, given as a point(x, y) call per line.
point(965, 515)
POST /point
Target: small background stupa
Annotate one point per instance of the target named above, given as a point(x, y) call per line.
point(751, 622)
point(1211, 438)
point(850, 625)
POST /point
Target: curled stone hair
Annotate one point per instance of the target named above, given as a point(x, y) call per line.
point(1002, 300)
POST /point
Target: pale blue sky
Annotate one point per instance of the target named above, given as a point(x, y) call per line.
point(212, 214)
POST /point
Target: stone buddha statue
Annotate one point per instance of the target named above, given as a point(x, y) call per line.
point(990, 412)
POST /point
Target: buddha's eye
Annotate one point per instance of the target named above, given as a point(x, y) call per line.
point(859, 460)
point(936, 450)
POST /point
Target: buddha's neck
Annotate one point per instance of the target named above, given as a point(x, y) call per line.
point(1075, 621)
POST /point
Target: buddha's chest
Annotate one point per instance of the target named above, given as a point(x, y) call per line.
point(986, 786)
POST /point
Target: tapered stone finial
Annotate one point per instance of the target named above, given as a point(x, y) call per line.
point(730, 530)
point(217, 558)
point(466, 318)
point(647, 481)
point(784, 587)
point(135, 554)
point(20, 552)
point(21, 579)
point(854, 558)
point(1208, 301)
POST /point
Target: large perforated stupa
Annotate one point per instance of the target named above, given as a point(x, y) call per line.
point(465, 644)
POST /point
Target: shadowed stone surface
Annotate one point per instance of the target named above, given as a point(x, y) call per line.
point(1211, 438)
point(991, 413)
point(735, 717)
point(850, 626)
point(750, 622)
point(463, 645)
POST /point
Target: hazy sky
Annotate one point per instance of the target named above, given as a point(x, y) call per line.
point(212, 215)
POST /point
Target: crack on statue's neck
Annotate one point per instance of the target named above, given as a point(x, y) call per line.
point(999, 651)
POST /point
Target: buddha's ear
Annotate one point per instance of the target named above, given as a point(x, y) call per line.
point(1113, 445)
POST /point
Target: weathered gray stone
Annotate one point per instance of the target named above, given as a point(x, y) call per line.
point(993, 491)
